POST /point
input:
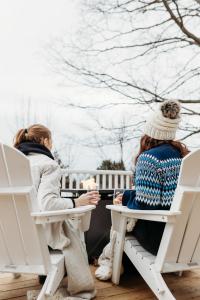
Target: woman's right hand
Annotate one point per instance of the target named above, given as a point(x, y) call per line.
point(92, 197)
point(118, 200)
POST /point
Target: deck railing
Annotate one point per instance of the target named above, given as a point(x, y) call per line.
point(71, 179)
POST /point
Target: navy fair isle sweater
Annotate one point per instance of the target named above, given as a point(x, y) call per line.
point(156, 178)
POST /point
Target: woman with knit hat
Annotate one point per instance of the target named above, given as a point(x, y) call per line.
point(156, 174)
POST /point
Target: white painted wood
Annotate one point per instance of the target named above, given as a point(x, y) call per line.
point(16, 161)
point(85, 221)
point(104, 181)
point(122, 182)
point(110, 181)
point(151, 215)
point(77, 182)
point(11, 231)
point(179, 267)
point(177, 236)
point(186, 193)
point(98, 180)
point(180, 246)
point(196, 255)
point(42, 295)
point(27, 229)
point(44, 248)
point(119, 226)
point(23, 246)
point(57, 273)
point(164, 245)
point(4, 181)
point(52, 217)
point(147, 270)
point(24, 269)
point(126, 177)
point(128, 182)
point(15, 190)
point(116, 182)
point(191, 235)
point(63, 182)
point(189, 173)
point(94, 172)
point(70, 182)
point(71, 211)
point(5, 257)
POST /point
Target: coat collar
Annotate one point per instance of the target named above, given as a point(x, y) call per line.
point(33, 147)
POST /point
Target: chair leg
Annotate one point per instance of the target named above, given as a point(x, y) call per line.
point(42, 294)
point(161, 291)
point(149, 273)
point(119, 226)
point(156, 282)
point(53, 280)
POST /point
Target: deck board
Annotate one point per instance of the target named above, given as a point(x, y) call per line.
point(131, 287)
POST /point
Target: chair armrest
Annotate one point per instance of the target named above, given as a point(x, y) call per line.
point(165, 216)
point(61, 215)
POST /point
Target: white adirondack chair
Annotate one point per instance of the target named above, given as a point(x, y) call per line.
point(23, 248)
point(180, 245)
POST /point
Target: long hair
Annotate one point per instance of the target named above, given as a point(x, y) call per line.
point(35, 133)
point(147, 143)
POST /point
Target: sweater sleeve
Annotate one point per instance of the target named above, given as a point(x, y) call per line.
point(49, 189)
point(129, 200)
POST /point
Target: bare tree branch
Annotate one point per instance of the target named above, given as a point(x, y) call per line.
point(180, 22)
point(143, 51)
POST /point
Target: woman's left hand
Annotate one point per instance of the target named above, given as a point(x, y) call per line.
point(118, 200)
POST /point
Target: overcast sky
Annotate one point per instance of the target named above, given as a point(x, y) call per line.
point(26, 27)
point(26, 30)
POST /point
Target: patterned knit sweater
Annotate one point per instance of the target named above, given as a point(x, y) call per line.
point(156, 178)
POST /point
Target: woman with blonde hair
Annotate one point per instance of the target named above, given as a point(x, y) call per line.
point(36, 142)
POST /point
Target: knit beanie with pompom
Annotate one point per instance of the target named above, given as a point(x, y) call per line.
point(163, 123)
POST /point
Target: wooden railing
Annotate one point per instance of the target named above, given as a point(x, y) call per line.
point(71, 179)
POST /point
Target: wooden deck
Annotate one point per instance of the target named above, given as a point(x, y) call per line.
point(131, 287)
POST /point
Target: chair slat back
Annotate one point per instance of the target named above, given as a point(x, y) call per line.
point(184, 246)
point(4, 180)
point(189, 173)
point(17, 167)
point(192, 232)
point(19, 240)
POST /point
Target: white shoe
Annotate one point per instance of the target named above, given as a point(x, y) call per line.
point(103, 273)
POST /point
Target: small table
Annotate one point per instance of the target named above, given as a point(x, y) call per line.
point(75, 193)
point(98, 235)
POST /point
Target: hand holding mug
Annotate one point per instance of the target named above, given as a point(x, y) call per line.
point(88, 198)
point(118, 199)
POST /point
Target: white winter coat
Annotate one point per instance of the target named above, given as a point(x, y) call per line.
point(46, 175)
point(61, 235)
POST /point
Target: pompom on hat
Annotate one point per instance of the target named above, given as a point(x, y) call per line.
point(163, 123)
